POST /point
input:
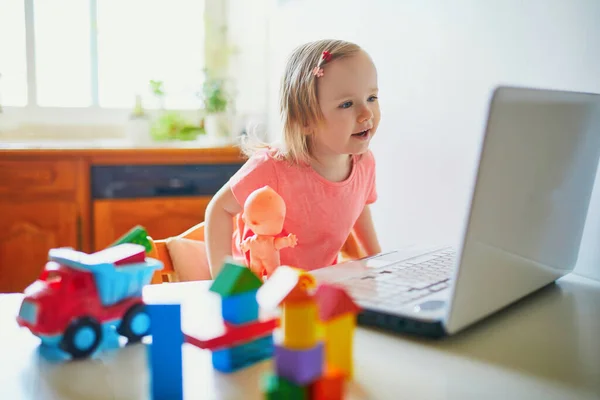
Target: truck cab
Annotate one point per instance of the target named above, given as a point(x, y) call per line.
point(50, 299)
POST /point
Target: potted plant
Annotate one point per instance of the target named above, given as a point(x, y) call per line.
point(171, 125)
point(217, 122)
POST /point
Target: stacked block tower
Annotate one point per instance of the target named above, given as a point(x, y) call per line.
point(313, 353)
point(337, 315)
point(249, 340)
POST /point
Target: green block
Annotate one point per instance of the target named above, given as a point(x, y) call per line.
point(277, 388)
point(235, 279)
point(136, 235)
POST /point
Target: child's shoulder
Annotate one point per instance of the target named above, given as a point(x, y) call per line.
point(260, 157)
point(262, 164)
point(258, 171)
point(265, 154)
point(271, 158)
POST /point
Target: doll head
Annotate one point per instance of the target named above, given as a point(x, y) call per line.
point(264, 212)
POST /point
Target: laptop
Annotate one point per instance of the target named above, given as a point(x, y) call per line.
point(530, 199)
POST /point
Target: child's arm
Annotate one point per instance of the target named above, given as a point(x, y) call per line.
point(219, 227)
point(365, 232)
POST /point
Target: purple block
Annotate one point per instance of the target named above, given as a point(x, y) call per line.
point(299, 366)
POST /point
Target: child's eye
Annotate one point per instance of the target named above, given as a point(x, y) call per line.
point(373, 98)
point(346, 104)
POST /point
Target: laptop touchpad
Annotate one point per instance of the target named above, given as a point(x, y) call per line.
point(430, 305)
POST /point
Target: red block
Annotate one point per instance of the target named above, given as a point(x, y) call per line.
point(329, 387)
point(234, 334)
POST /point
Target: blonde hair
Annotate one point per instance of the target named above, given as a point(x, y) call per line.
point(299, 106)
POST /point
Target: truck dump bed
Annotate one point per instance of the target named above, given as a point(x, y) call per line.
point(120, 272)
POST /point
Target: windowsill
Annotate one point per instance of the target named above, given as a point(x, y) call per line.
point(67, 123)
point(28, 133)
point(81, 135)
point(107, 143)
point(94, 137)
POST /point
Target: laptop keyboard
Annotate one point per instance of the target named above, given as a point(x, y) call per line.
point(404, 281)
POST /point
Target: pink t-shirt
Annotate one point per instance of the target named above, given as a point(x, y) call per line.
point(320, 213)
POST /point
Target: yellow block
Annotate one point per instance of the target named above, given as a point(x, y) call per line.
point(339, 338)
point(299, 325)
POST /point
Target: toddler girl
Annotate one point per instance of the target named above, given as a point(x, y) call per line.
point(322, 168)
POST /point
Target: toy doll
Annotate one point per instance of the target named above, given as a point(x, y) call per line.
point(264, 214)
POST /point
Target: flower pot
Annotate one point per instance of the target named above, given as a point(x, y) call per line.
point(217, 126)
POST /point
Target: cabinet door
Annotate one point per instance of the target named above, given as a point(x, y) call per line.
point(162, 217)
point(28, 230)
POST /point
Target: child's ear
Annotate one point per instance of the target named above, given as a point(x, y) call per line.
point(309, 130)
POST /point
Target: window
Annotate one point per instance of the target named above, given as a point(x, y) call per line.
point(13, 64)
point(140, 40)
point(62, 53)
point(100, 54)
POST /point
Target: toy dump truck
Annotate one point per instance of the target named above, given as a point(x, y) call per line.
point(80, 299)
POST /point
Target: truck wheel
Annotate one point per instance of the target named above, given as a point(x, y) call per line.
point(81, 337)
point(135, 324)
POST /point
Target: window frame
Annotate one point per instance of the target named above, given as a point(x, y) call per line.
point(33, 114)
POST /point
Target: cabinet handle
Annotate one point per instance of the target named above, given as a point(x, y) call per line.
point(79, 234)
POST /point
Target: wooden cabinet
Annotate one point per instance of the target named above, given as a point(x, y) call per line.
point(162, 217)
point(48, 199)
point(37, 177)
point(27, 230)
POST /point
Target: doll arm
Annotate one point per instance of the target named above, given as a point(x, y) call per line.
point(288, 241)
point(246, 244)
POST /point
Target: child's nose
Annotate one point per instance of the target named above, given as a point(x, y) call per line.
point(364, 114)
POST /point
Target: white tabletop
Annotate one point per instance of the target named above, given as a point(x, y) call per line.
point(546, 347)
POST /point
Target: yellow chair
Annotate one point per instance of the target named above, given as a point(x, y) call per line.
point(351, 250)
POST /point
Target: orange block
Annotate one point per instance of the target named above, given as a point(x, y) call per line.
point(329, 387)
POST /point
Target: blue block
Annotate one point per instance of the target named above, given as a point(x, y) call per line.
point(166, 371)
point(240, 308)
point(237, 357)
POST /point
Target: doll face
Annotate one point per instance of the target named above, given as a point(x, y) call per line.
point(264, 221)
point(264, 212)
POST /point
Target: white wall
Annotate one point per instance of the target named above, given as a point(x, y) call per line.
point(438, 61)
point(248, 30)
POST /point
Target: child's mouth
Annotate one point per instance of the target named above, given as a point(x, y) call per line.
point(362, 135)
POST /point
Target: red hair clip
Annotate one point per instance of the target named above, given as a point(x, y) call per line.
point(325, 57)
